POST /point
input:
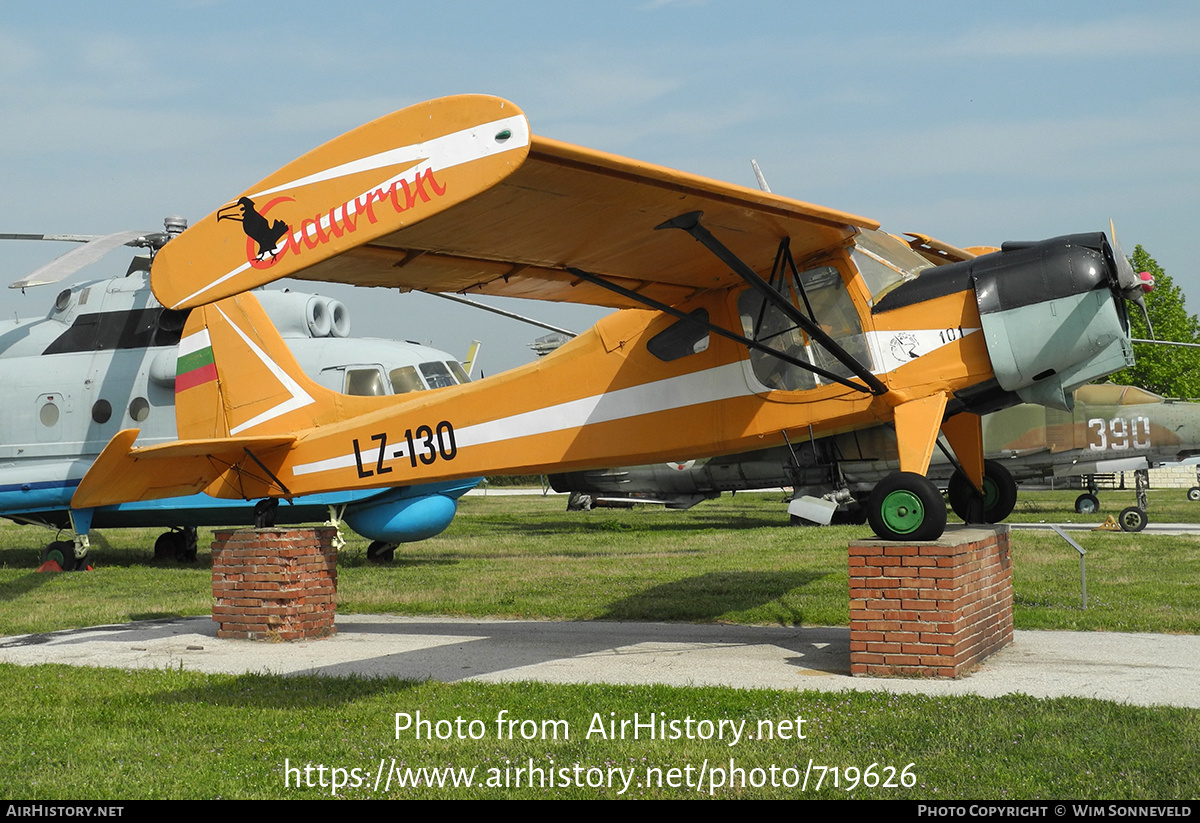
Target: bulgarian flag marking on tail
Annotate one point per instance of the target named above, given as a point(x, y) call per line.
point(195, 366)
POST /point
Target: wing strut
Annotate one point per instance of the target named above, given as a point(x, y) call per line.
point(690, 223)
point(651, 303)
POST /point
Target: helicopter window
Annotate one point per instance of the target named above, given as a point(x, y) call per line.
point(458, 370)
point(885, 262)
point(365, 382)
point(437, 375)
point(48, 414)
point(832, 309)
point(104, 331)
point(405, 379)
point(101, 411)
point(680, 339)
point(139, 409)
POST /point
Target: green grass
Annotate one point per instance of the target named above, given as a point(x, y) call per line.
point(105, 734)
point(727, 560)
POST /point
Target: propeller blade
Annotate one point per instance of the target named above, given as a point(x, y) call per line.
point(1127, 279)
point(74, 260)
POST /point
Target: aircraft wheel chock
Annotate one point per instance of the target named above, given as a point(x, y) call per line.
point(1132, 519)
point(906, 506)
point(381, 552)
point(1087, 504)
point(999, 493)
point(1194, 493)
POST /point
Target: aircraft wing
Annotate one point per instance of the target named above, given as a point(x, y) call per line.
point(506, 213)
point(123, 474)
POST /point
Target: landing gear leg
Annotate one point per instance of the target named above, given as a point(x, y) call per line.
point(1135, 518)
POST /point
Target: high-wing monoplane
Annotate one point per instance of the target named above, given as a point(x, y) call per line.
point(1111, 428)
point(105, 357)
point(746, 320)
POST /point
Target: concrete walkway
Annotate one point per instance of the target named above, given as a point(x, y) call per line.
point(1142, 669)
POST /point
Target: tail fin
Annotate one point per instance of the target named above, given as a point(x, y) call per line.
point(236, 376)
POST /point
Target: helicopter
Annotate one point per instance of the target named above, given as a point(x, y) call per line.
point(105, 356)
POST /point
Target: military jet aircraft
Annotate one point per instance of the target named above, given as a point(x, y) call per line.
point(1112, 428)
point(105, 357)
point(747, 320)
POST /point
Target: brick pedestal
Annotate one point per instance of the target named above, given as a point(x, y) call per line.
point(275, 584)
point(933, 609)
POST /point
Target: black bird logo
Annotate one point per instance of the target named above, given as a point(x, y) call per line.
point(265, 234)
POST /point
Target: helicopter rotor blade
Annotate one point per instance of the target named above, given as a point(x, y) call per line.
point(74, 260)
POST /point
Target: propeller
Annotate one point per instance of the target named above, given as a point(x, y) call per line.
point(1133, 286)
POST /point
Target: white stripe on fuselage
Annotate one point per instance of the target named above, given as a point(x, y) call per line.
point(720, 383)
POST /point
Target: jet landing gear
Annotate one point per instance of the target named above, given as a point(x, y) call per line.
point(906, 506)
point(177, 544)
point(999, 494)
point(1132, 518)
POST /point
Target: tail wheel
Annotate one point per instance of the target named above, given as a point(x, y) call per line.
point(999, 493)
point(1132, 519)
point(906, 506)
point(1087, 504)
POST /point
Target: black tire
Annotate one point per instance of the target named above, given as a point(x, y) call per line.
point(62, 551)
point(906, 506)
point(1193, 493)
point(168, 546)
point(999, 493)
point(264, 513)
point(580, 502)
point(1132, 519)
point(1087, 503)
point(381, 552)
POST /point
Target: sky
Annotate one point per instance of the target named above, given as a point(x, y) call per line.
point(975, 123)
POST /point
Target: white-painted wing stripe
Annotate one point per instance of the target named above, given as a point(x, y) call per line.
point(440, 153)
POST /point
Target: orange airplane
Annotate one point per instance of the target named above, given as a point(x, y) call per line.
point(745, 320)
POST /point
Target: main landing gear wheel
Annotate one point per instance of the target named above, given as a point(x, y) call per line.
point(1087, 504)
point(999, 493)
point(906, 506)
point(381, 552)
point(1132, 519)
point(1194, 493)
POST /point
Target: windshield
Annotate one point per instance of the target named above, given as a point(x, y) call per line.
point(885, 262)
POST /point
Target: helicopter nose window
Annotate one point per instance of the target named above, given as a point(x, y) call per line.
point(365, 382)
point(405, 379)
point(437, 375)
point(139, 409)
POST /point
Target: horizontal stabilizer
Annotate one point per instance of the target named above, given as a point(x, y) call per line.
point(124, 474)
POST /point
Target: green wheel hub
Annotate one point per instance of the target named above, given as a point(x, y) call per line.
point(903, 511)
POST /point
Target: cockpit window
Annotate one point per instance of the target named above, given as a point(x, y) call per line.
point(885, 262)
point(437, 375)
point(459, 371)
point(365, 382)
point(832, 310)
point(405, 379)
